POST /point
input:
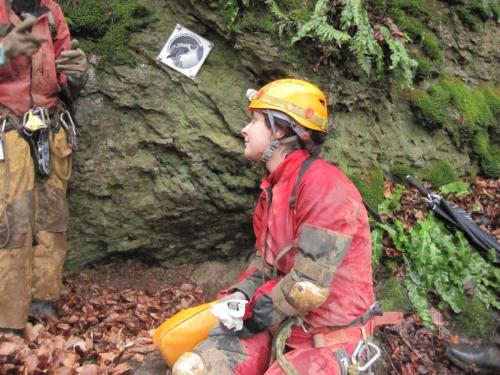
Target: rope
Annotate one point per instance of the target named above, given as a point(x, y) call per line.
point(279, 343)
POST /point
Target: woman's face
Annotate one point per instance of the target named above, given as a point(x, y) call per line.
point(257, 136)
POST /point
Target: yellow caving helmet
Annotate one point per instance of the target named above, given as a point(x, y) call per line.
point(299, 99)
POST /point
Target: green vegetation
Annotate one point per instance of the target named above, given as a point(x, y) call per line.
point(371, 186)
point(441, 266)
point(473, 12)
point(457, 189)
point(393, 296)
point(333, 27)
point(412, 17)
point(488, 154)
point(477, 110)
point(475, 320)
point(399, 172)
point(106, 23)
point(438, 173)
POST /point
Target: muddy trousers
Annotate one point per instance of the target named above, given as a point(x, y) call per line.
point(223, 353)
point(33, 225)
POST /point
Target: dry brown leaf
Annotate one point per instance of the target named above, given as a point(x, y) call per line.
point(89, 369)
point(7, 348)
point(122, 368)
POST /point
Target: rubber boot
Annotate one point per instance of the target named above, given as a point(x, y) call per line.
point(483, 360)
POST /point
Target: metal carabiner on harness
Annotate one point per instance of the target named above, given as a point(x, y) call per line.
point(43, 153)
point(70, 128)
point(2, 152)
point(363, 349)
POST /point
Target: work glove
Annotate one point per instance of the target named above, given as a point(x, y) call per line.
point(73, 62)
point(20, 41)
point(260, 314)
point(230, 310)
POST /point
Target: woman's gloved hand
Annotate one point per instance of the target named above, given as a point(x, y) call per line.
point(260, 313)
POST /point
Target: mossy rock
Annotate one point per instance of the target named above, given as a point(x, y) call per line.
point(393, 296)
point(472, 104)
point(400, 171)
point(473, 12)
point(107, 24)
point(488, 154)
point(431, 109)
point(475, 320)
point(438, 173)
point(425, 68)
point(490, 166)
point(431, 46)
point(371, 186)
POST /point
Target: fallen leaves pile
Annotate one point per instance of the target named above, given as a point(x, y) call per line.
point(416, 350)
point(100, 330)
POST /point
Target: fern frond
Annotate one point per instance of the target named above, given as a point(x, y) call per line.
point(276, 10)
point(401, 62)
point(304, 30)
point(327, 33)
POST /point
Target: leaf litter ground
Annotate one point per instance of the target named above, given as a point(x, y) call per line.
point(106, 313)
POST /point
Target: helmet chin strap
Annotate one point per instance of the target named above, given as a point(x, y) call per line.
point(269, 151)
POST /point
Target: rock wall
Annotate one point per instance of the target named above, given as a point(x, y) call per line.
point(160, 171)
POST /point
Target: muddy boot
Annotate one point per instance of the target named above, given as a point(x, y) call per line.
point(40, 309)
point(11, 332)
point(484, 360)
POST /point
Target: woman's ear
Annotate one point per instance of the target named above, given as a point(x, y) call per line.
point(280, 133)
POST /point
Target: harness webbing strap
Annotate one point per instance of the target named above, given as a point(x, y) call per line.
point(303, 168)
point(52, 25)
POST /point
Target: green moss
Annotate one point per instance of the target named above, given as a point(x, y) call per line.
point(480, 143)
point(256, 21)
point(106, 24)
point(475, 320)
point(471, 104)
point(425, 67)
point(416, 8)
point(492, 96)
point(371, 187)
point(392, 296)
point(431, 109)
point(490, 165)
point(431, 46)
point(410, 25)
point(477, 108)
point(488, 154)
point(400, 171)
point(473, 12)
point(438, 173)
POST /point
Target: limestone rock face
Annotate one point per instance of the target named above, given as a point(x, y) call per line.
point(160, 172)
